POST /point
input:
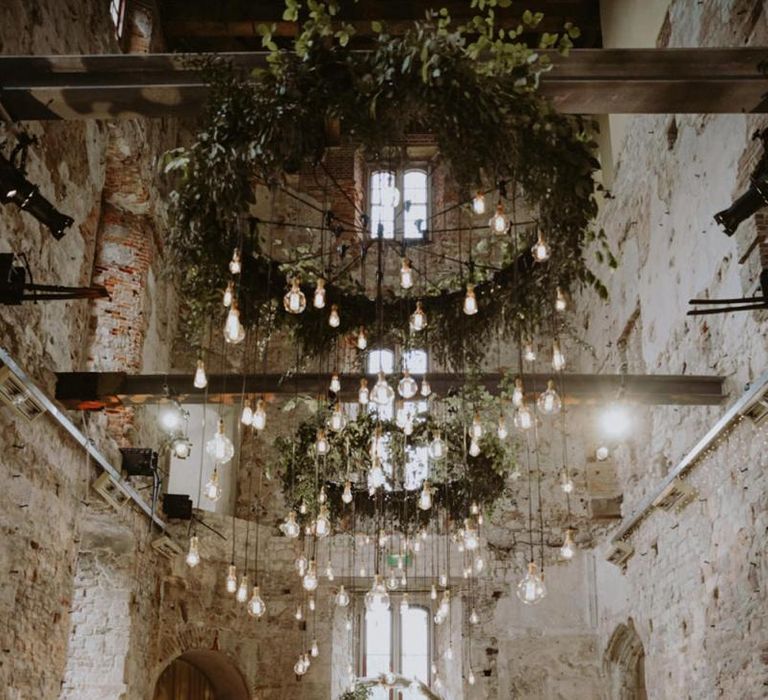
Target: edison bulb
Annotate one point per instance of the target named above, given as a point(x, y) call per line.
point(474, 448)
point(294, 301)
point(229, 293)
point(391, 581)
point(523, 418)
point(531, 588)
point(299, 614)
point(470, 301)
point(318, 301)
point(425, 497)
point(322, 497)
point(437, 447)
point(478, 204)
point(335, 385)
point(231, 579)
point(235, 265)
point(342, 597)
point(256, 607)
point(321, 443)
point(314, 649)
point(479, 563)
point(212, 490)
point(529, 354)
point(301, 564)
point(566, 483)
point(200, 381)
point(474, 618)
point(382, 394)
point(558, 359)
point(334, 319)
point(362, 339)
point(407, 386)
point(426, 389)
point(233, 330)
point(418, 319)
point(518, 393)
point(220, 447)
point(363, 395)
point(259, 419)
point(405, 603)
point(449, 653)
point(568, 549)
point(298, 667)
point(406, 274)
point(377, 598)
point(501, 429)
point(471, 536)
point(346, 496)
point(242, 590)
point(602, 453)
point(471, 677)
point(290, 528)
point(499, 221)
point(476, 429)
point(433, 592)
point(323, 522)
point(540, 250)
point(560, 302)
point(549, 402)
point(309, 580)
point(246, 417)
point(193, 553)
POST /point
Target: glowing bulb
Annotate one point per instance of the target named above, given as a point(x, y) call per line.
point(566, 483)
point(476, 429)
point(246, 417)
point(568, 549)
point(443, 580)
point(474, 508)
point(470, 301)
point(315, 649)
point(560, 302)
point(407, 386)
point(474, 618)
point(549, 402)
point(425, 498)
point(303, 508)
point(501, 430)
point(426, 389)
point(499, 221)
point(298, 667)
point(259, 419)
point(558, 359)
point(212, 490)
point(529, 354)
point(377, 598)
point(231, 579)
point(329, 574)
point(309, 580)
point(471, 677)
point(382, 393)
point(335, 385)
point(531, 588)
point(437, 447)
point(346, 496)
point(363, 395)
point(518, 393)
point(319, 299)
point(478, 204)
point(433, 592)
point(200, 381)
point(294, 302)
point(377, 478)
point(523, 418)
point(540, 249)
point(193, 554)
point(391, 581)
point(323, 522)
point(242, 590)
point(471, 536)
point(290, 528)
point(449, 653)
point(321, 444)
point(615, 421)
point(406, 274)
point(342, 597)
point(256, 607)
point(418, 319)
point(171, 417)
point(301, 564)
point(311, 603)
point(334, 320)
point(233, 329)
point(228, 295)
point(479, 564)
point(362, 339)
point(602, 453)
point(405, 603)
point(220, 447)
point(235, 265)
point(299, 614)
point(474, 448)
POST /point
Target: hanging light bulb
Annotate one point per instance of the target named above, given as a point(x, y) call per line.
point(406, 274)
point(407, 386)
point(235, 265)
point(318, 301)
point(329, 573)
point(478, 204)
point(405, 604)
point(523, 418)
point(602, 453)
point(471, 536)
point(499, 221)
point(426, 389)
point(246, 417)
point(220, 447)
point(531, 588)
point(382, 393)
point(418, 319)
point(471, 677)
point(294, 301)
point(479, 564)
point(301, 564)
point(321, 444)
point(181, 447)
point(437, 447)
point(403, 580)
point(501, 429)
point(231, 579)
point(233, 329)
point(558, 359)
point(259, 419)
point(476, 429)
point(560, 302)
point(529, 354)
point(433, 592)
point(474, 618)
point(171, 417)
point(425, 498)
point(342, 597)
point(448, 655)
point(518, 393)
point(323, 522)
point(346, 496)
point(338, 420)
point(474, 448)
point(377, 598)
point(200, 381)
point(256, 607)
point(314, 649)
point(212, 490)
point(378, 447)
point(391, 581)
point(348, 625)
point(566, 483)
point(309, 580)
point(229, 294)
point(334, 319)
point(335, 385)
point(193, 554)
point(242, 590)
point(568, 549)
point(362, 339)
point(299, 614)
point(549, 402)
point(443, 579)
point(540, 249)
point(298, 667)
point(470, 301)
point(290, 528)
point(363, 395)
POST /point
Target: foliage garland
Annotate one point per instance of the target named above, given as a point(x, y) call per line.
point(474, 87)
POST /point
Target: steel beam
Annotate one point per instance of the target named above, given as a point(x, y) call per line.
point(97, 390)
point(589, 81)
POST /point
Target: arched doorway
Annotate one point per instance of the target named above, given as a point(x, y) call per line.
point(624, 664)
point(201, 674)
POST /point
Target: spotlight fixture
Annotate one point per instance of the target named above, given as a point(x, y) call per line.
point(16, 189)
point(139, 461)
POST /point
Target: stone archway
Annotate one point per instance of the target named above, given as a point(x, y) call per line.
point(201, 674)
point(624, 664)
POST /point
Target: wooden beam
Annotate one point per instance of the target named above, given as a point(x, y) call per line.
point(96, 390)
point(589, 81)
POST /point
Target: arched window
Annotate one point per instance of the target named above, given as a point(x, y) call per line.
point(624, 663)
point(404, 215)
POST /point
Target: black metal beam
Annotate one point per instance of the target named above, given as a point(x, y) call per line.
point(97, 390)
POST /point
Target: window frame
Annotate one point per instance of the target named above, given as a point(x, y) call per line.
point(118, 23)
point(400, 173)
